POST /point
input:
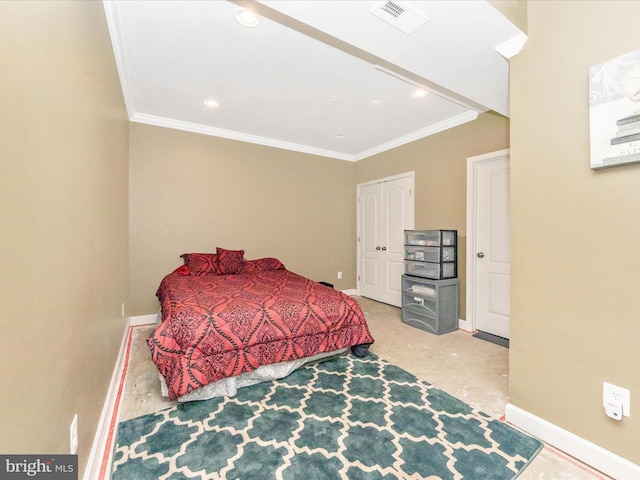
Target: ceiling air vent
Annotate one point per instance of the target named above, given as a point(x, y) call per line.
point(401, 15)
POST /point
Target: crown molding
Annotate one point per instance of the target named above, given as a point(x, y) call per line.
point(296, 147)
point(512, 47)
point(116, 32)
point(452, 122)
point(233, 135)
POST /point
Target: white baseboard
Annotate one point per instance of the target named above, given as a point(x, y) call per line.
point(143, 320)
point(103, 438)
point(465, 325)
point(585, 451)
point(351, 292)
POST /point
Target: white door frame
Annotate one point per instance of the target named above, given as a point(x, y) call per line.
point(410, 174)
point(472, 172)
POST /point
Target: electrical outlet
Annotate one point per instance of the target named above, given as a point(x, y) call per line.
point(73, 434)
point(339, 275)
point(613, 394)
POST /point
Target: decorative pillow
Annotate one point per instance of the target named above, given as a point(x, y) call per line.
point(182, 270)
point(230, 261)
point(249, 266)
point(262, 264)
point(202, 263)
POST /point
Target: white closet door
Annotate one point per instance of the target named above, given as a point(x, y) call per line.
point(385, 211)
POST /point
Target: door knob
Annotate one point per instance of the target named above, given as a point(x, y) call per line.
point(480, 255)
point(377, 248)
point(384, 248)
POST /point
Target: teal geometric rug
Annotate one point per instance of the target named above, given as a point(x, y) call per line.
point(344, 418)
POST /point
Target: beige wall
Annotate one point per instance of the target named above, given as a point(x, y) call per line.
point(192, 193)
point(575, 249)
point(63, 222)
point(64, 200)
point(514, 10)
point(440, 166)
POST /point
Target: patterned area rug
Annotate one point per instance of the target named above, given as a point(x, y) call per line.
point(344, 418)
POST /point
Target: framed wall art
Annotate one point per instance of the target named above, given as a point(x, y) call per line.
point(614, 111)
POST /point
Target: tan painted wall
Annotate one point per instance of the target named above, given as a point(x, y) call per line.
point(63, 209)
point(193, 192)
point(514, 10)
point(440, 165)
point(575, 249)
point(63, 222)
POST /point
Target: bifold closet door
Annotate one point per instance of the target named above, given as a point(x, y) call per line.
point(385, 211)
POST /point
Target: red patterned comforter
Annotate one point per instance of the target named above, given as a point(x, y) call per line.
point(218, 326)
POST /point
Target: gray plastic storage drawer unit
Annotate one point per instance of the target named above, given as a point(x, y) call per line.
point(431, 253)
point(430, 305)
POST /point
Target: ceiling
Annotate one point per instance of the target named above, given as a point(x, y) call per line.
point(323, 77)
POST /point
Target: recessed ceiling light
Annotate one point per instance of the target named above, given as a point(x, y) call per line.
point(419, 93)
point(340, 135)
point(375, 103)
point(211, 103)
point(247, 18)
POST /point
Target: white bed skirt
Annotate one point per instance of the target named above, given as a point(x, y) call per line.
point(265, 373)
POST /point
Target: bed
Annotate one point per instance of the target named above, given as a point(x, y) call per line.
point(227, 322)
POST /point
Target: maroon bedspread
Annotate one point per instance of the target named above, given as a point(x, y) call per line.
point(218, 326)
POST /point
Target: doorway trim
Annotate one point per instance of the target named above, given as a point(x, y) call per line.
point(410, 174)
point(472, 172)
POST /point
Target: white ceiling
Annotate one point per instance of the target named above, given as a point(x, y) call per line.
point(305, 78)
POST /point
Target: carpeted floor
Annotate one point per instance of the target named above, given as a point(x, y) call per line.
point(344, 418)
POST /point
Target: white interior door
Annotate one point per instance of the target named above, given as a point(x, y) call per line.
point(490, 252)
point(369, 239)
point(385, 211)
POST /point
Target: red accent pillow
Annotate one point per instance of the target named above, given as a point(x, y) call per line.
point(230, 261)
point(202, 263)
point(262, 264)
point(182, 270)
